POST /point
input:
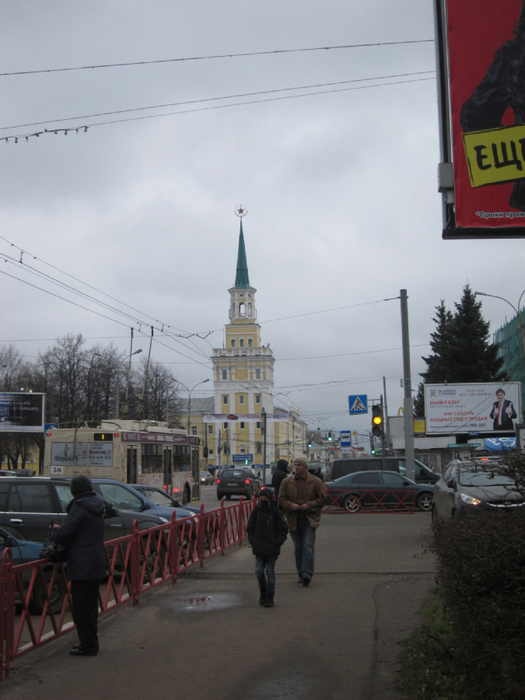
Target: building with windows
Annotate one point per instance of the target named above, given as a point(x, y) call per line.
point(231, 424)
point(510, 341)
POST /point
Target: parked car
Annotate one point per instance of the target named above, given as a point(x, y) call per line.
point(162, 498)
point(206, 478)
point(354, 492)
point(423, 474)
point(238, 482)
point(24, 552)
point(29, 504)
point(126, 497)
point(473, 487)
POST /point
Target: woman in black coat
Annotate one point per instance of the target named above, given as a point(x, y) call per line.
point(83, 533)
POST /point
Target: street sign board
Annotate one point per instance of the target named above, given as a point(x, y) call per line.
point(345, 438)
point(242, 457)
point(358, 403)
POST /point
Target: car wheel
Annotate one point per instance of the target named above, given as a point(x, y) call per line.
point(249, 494)
point(351, 504)
point(58, 593)
point(219, 496)
point(424, 501)
point(186, 496)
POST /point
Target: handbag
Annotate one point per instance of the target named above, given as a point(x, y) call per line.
point(52, 551)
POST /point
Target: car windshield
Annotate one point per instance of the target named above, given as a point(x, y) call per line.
point(233, 474)
point(484, 477)
point(158, 498)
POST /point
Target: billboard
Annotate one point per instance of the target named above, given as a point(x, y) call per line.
point(475, 408)
point(21, 412)
point(80, 454)
point(483, 102)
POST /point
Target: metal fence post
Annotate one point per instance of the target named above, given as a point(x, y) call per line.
point(222, 527)
point(134, 558)
point(200, 534)
point(7, 618)
point(174, 547)
point(240, 520)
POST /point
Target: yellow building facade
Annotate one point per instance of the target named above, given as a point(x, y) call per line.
point(243, 378)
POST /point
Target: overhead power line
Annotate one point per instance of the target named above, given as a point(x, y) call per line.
point(213, 99)
point(84, 127)
point(215, 57)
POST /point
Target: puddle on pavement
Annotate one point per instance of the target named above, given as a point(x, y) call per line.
point(203, 603)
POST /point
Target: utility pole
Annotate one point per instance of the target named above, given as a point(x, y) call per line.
point(263, 430)
point(408, 406)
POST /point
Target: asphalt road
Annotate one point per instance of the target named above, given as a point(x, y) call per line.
point(207, 636)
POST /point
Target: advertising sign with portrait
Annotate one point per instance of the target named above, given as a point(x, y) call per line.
point(472, 408)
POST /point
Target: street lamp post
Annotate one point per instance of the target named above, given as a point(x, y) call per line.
point(189, 397)
point(516, 311)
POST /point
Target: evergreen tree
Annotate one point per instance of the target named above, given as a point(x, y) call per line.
point(462, 352)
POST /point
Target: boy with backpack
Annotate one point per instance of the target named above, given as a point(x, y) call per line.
point(267, 531)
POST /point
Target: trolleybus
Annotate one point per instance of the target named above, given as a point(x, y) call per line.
point(150, 455)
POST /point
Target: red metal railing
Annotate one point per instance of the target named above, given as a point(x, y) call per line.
point(136, 563)
point(345, 500)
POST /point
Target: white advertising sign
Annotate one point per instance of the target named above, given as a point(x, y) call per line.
point(81, 454)
point(463, 408)
point(244, 417)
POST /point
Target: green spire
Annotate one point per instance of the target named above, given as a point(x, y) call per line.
point(242, 280)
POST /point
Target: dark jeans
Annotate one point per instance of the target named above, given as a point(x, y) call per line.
point(304, 548)
point(266, 582)
point(85, 611)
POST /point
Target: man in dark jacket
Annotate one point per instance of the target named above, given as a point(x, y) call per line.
point(83, 533)
point(280, 473)
point(267, 531)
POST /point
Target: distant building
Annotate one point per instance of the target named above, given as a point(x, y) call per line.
point(509, 339)
point(229, 423)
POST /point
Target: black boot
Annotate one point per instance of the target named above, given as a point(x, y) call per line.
point(269, 601)
point(262, 599)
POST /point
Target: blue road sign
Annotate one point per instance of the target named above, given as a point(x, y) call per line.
point(358, 404)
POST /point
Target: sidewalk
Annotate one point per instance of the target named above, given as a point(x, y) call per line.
point(207, 637)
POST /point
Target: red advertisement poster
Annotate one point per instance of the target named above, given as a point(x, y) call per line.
point(486, 40)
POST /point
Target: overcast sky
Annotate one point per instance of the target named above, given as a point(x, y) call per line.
point(340, 187)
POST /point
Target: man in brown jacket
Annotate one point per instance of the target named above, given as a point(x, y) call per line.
point(301, 498)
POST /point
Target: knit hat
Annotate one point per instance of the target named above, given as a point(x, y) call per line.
point(302, 460)
point(268, 493)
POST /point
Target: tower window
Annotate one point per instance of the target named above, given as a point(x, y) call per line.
point(241, 342)
point(232, 342)
point(241, 309)
point(257, 398)
point(225, 374)
point(242, 425)
point(250, 343)
point(241, 399)
point(257, 374)
point(225, 398)
point(194, 430)
point(210, 430)
point(225, 426)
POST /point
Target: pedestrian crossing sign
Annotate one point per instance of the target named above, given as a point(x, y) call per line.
point(358, 404)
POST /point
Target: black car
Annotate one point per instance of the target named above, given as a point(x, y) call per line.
point(472, 487)
point(237, 482)
point(28, 505)
point(423, 474)
point(381, 490)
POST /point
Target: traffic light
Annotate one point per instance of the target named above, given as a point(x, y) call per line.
point(377, 420)
point(330, 437)
point(246, 462)
point(309, 444)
